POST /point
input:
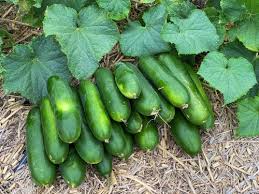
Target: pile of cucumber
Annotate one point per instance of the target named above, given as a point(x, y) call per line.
point(91, 124)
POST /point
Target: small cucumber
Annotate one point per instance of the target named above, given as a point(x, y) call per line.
point(148, 102)
point(168, 85)
point(148, 138)
point(73, 170)
point(167, 112)
point(128, 149)
point(116, 144)
point(56, 149)
point(105, 166)
point(186, 135)
point(134, 123)
point(116, 104)
point(65, 109)
point(95, 113)
point(127, 81)
point(43, 172)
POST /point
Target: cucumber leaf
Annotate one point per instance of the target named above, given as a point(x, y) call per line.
point(85, 37)
point(28, 67)
point(233, 77)
point(138, 40)
point(233, 9)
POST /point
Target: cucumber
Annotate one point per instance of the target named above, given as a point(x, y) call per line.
point(197, 111)
point(186, 135)
point(148, 102)
point(170, 87)
point(65, 109)
point(148, 138)
point(56, 149)
point(134, 123)
point(167, 112)
point(116, 144)
point(73, 170)
point(95, 113)
point(127, 81)
point(116, 104)
point(128, 149)
point(105, 166)
point(43, 172)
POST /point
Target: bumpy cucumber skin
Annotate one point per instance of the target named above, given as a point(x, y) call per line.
point(116, 144)
point(73, 170)
point(186, 135)
point(56, 149)
point(127, 81)
point(65, 109)
point(167, 112)
point(43, 172)
point(128, 149)
point(168, 85)
point(197, 111)
point(148, 138)
point(148, 102)
point(134, 124)
point(105, 166)
point(116, 104)
point(95, 113)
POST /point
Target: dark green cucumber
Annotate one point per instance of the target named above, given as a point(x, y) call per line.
point(197, 111)
point(56, 149)
point(127, 81)
point(105, 166)
point(128, 149)
point(73, 170)
point(148, 102)
point(171, 88)
point(95, 113)
point(186, 135)
point(43, 172)
point(65, 109)
point(167, 112)
point(116, 144)
point(148, 138)
point(116, 104)
point(134, 123)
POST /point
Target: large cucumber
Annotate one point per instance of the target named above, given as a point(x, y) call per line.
point(168, 85)
point(43, 172)
point(148, 102)
point(65, 109)
point(73, 170)
point(105, 166)
point(95, 113)
point(167, 112)
point(134, 123)
point(148, 138)
point(197, 111)
point(116, 104)
point(127, 81)
point(56, 149)
point(186, 135)
point(128, 149)
point(116, 144)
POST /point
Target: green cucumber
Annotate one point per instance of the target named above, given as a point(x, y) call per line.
point(167, 112)
point(171, 88)
point(148, 138)
point(186, 135)
point(43, 172)
point(116, 104)
point(148, 102)
point(128, 149)
point(73, 170)
point(134, 123)
point(105, 166)
point(127, 81)
point(56, 149)
point(65, 109)
point(116, 144)
point(197, 111)
point(95, 113)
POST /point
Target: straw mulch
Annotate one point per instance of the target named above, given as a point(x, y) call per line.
point(225, 165)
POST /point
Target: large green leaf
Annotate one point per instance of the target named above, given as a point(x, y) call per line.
point(138, 40)
point(1, 56)
point(28, 68)
point(192, 35)
point(85, 37)
point(248, 116)
point(252, 6)
point(233, 9)
point(233, 77)
point(117, 9)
